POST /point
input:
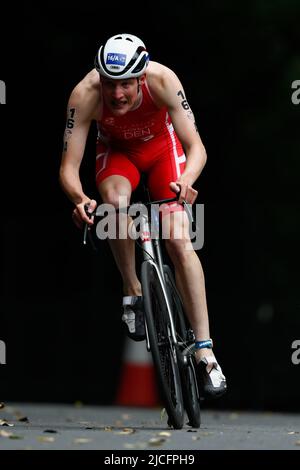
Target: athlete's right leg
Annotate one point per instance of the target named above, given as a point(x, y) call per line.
point(117, 177)
point(111, 189)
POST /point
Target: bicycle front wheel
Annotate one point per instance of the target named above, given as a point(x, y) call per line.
point(186, 364)
point(161, 344)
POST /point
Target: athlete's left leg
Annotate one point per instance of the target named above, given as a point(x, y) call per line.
point(189, 276)
point(188, 269)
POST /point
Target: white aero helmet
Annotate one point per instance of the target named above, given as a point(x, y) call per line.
point(122, 56)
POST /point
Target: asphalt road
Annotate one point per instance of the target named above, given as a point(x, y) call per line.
point(81, 427)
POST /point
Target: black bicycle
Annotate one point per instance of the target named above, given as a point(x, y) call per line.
point(168, 334)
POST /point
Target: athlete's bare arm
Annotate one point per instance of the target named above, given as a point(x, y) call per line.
point(168, 91)
point(82, 108)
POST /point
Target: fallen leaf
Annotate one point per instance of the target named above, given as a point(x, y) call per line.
point(165, 433)
point(81, 440)
point(3, 422)
point(135, 445)
point(23, 419)
point(195, 438)
point(5, 433)
point(156, 441)
point(45, 439)
point(125, 431)
point(10, 435)
point(108, 428)
point(50, 431)
point(163, 413)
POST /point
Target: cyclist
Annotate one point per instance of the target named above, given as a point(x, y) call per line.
point(145, 124)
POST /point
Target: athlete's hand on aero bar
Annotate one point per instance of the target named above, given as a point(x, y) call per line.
point(187, 194)
point(81, 213)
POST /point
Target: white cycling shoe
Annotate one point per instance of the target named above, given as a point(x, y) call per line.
point(133, 317)
point(210, 378)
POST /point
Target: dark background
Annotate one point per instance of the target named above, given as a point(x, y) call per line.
point(60, 303)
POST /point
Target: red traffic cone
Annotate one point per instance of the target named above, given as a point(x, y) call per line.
point(137, 382)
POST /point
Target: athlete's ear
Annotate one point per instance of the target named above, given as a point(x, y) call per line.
point(142, 79)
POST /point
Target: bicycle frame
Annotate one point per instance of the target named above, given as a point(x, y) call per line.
point(151, 247)
point(152, 254)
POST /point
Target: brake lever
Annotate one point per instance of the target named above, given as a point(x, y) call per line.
point(85, 231)
point(87, 228)
point(189, 212)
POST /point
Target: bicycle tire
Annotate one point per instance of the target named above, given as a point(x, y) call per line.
point(162, 348)
point(187, 370)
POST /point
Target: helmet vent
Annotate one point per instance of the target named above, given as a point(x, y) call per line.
point(140, 65)
point(129, 39)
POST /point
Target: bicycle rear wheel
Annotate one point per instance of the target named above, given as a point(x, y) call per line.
point(186, 364)
point(162, 348)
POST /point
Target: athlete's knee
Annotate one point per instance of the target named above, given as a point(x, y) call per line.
point(176, 232)
point(179, 249)
point(116, 196)
point(175, 229)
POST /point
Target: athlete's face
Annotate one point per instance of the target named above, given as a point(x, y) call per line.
point(120, 95)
